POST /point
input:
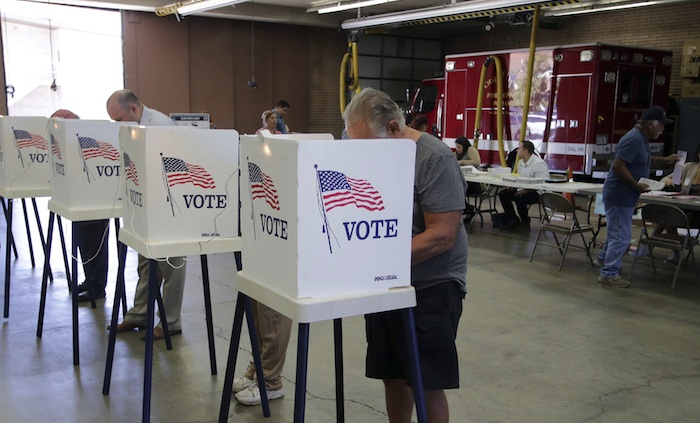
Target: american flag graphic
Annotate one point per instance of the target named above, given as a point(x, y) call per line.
point(130, 170)
point(338, 190)
point(178, 172)
point(25, 139)
point(92, 148)
point(55, 149)
point(262, 186)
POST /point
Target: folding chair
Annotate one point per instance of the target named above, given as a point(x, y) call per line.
point(669, 217)
point(559, 217)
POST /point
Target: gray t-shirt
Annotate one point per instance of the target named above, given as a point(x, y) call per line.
point(438, 187)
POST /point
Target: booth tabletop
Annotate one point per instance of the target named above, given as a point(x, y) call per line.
point(307, 310)
point(9, 192)
point(159, 250)
point(78, 215)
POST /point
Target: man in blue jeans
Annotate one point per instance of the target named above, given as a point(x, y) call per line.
point(621, 191)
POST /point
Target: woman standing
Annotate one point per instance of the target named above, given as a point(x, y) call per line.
point(269, 121)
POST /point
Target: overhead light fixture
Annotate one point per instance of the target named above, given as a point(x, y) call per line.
point(592, 7)
point(205, 5)
point(438, 12)
point(348, 6)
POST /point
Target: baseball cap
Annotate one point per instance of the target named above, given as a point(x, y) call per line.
point(655, 113)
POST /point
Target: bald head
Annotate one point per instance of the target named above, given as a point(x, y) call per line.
point(124, 106)
point(65, 114)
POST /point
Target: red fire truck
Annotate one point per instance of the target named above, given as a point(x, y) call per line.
point(583, 99)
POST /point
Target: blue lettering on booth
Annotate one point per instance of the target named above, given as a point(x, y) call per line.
point(209, 201)
point(38, 157)
point(375, 229)
point(273, 226)
point(108, 170)
point(135, 198)
point(60, 168)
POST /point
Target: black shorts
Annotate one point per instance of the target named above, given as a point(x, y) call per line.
point(436, 316)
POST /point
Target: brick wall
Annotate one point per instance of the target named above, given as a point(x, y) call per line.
point(326, 49)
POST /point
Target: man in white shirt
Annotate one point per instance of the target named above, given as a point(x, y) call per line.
point(529, 165)
point(124, 106)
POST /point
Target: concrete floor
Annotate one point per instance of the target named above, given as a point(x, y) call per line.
point(536, 345)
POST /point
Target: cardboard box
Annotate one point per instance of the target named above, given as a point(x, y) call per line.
point(25, 164)
point(326, 218)
point(180, 187)
point(85, 168)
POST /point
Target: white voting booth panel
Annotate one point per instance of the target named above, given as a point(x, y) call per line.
point(326, 218)
point(180, 190)
point(85, 168)
point(25, 164)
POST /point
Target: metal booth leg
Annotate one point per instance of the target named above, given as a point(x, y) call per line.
point(8, 249)
point(73, 283)
point(302, 367)
point(122, 262)
point(41, 232)
point(45, 276)
point(339, 378)
point(59, 222)
point(118, 295)
point(148, 362)
point(4, 210)
point(414, 359)
point(208, 313)
point(242, 306)
point(232, 357)
point(257, 358)
point(29, 232)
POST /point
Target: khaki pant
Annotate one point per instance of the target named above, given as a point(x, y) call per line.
point(273, 330)
point(173, 290)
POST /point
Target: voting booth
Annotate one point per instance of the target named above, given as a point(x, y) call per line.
point(24, 157)
point(326, 218)
point(85, 169)
point(180, 188)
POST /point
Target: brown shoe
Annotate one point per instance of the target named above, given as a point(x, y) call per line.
point(159, 334)
point(617, 281)
point(127, 326)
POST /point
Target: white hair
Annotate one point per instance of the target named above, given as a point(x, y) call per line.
point(375, 108)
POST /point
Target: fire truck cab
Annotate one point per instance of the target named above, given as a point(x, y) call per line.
point(583, 99)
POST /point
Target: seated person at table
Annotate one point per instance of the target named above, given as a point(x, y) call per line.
point(691, 173)
point(529, 165)
point(466, 154)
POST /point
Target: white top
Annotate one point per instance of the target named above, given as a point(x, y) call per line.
point(534, 167)
point(152, 117)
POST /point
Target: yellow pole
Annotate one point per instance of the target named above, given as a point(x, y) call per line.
point(528, 83)
point(351, 55)
point(530, 67)
point(499, 105)
point(343, 89)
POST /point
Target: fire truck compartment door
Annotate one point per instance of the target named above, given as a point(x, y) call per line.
point(569, 126)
